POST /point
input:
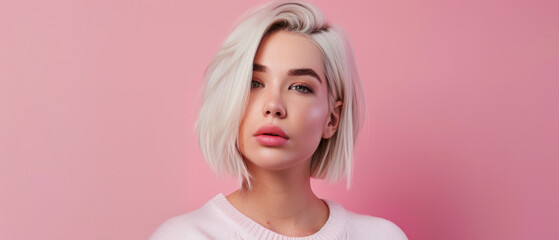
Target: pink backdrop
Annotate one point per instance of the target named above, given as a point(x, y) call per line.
point(98, 101)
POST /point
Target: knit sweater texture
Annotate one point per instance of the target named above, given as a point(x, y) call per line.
point(218, 219)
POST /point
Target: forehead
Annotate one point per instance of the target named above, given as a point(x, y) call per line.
point(282, 50)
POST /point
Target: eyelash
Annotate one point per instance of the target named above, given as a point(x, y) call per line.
point(255, 84)
point(299, 88)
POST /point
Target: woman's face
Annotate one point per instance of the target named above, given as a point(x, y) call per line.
point(288, 109)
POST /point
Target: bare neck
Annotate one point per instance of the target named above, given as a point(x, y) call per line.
point(282, 201)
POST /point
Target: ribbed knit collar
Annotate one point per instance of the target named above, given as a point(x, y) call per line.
point(335, 227)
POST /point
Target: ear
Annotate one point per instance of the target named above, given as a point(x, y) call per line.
point(333, 120)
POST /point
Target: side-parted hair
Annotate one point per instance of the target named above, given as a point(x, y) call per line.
point(228, 82)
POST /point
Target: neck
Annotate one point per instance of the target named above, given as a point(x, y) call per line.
point(282, 201)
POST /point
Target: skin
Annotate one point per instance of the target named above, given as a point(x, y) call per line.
point(297, 102)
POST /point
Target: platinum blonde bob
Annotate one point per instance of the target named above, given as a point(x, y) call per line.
point(228, 82)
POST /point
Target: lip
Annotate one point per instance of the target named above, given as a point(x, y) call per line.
point(272, 136)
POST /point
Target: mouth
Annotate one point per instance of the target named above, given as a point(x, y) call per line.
point(271, 136)
point(272, 131)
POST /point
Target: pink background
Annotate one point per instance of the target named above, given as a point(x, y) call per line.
point(98, 101)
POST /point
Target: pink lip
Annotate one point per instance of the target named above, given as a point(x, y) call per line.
point(272, 136)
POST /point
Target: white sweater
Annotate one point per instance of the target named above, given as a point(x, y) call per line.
point(218, 219)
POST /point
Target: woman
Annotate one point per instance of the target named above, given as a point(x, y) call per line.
point(280, 106)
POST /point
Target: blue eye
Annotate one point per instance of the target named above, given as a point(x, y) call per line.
point(255, 84)
point(301, 89)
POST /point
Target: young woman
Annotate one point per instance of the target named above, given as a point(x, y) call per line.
point(280, 106)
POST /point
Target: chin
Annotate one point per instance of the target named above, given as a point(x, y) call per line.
point(272, 164)
point(275, 161)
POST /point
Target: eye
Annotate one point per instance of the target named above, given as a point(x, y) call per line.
point(255, 84)
point(301, 88)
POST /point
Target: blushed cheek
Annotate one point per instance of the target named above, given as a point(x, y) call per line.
point(315, 120)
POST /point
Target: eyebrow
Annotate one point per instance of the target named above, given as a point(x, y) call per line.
point(292, 72)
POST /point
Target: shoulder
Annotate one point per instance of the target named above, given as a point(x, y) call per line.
point(368, 227)
point(206, 222)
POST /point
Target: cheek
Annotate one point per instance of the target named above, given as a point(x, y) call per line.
point(317, 115)
point(248, 120)
point(313, 117)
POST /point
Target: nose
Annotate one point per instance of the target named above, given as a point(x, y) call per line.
point(274, 106)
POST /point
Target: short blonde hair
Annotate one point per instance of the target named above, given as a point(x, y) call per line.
point(227, 87)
